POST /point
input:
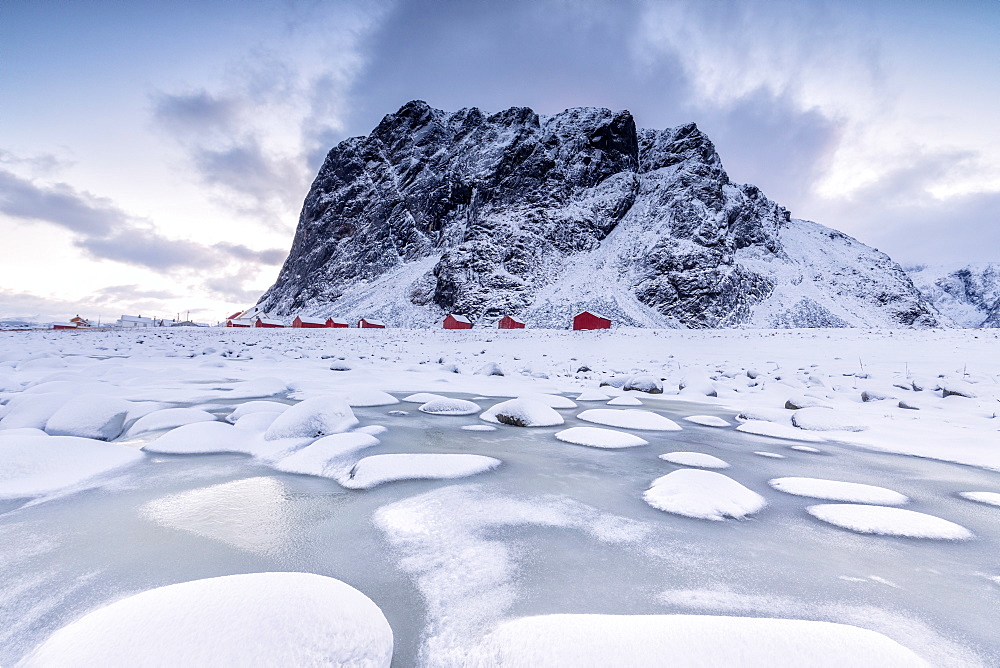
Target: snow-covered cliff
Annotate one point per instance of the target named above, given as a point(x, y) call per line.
point(969, 295)
point(542, 216)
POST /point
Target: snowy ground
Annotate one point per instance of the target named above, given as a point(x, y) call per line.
point(136, 460)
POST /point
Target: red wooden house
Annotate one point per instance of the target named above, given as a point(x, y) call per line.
point(334, 322)
point(508, 322)
point(307, 322)
point(268, 322)
point(588, 320)
point(457, 322)
point(236, 323)
point(64, 325)
point(365, 323)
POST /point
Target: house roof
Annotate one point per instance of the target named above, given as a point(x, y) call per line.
point(311, 320)
point(603, 317)
point(134, 318)
point(460, 318)
point(373, 322)
point(271, 321)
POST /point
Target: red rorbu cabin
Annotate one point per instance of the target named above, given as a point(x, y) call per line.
point(236, 323)
point(333, 322)
point(457, 322)
point(308, 322)
point(588, 320)
point(508, 322)
point(365, 323)
point(268, 322)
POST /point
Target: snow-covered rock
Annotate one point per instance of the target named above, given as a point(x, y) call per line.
point(96, 417)
point(200, 438)
point(259, 619)
point(256, 407)
point(818, 418)
point(708, 420)
point(775, 430)
point(329, 456)
point(698, 459)
point(33, 410)
point(312, 418)
point(625, 400)
point(168, 418)
point(32, 465)
point(258, 422)
point(888, 521)
point(422, 397)
point(378, 469)
point(696, 641)
point(448, 406)
point(592, 395)
point(629, 419)
point(836, 490)
point(698, 385)
point(989, 498)
point(367, 398)
point(644, 382)
point(550, 400)
point(595, 437)
point(704, 495)
point(523, 412)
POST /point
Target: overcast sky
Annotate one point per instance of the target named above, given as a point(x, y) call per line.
point(154, 155)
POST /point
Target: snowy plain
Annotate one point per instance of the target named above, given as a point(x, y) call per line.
point(205, 453)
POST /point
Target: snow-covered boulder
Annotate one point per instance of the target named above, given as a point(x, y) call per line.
point(698, 459)
point(168, 418)
point(256, 422)
point(378, 469)
point(625, 400)
point(312, 418)
point(33, 410)
point(596, 437)
point(200, 438)
point(775, 430)
point(958, 388)
point(708, 420)
point(592, 395)
point(97, 417)
point(704, 641)
point(329, 456)
point(262, 406)
point(489, 369)
point(258, 387)
point(704, 495)
point(836, 490)
point(989, 498)
point(448, 406)
point(818, 418)
point(422, 397)
point(255, 619)
point(888, 521)
point(798, 401)
point(523, 412)
point(368, 398)
point(629, 419)
point(697, 384)
point(551, 400)
point(644, 382)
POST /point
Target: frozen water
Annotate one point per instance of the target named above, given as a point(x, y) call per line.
point(888, 521)
point(629, 419)
point(698, 459)
point(835, 490)
point(595, 437)
point(704, 495)
point(805, 448)
point(479, 427)
point(989, 498)
point(772, 455)
point(379, 469)
point(249, 619)
point(775, 430)
point(699, 641)
point(523, 412)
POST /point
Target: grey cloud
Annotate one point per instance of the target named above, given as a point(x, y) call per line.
point(59, 204)
point(104, 303)
point(245, 168)
point(147, 248)
point(117, 292)
point(195, 112)
point(269, 256)
point(232, 288)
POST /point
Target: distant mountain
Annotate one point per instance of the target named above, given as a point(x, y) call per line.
point(969, 295)
point(543, 216)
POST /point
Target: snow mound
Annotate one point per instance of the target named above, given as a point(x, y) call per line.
point(318, 416)
point(100, 418)
point(32, 410)
point(835, 490)
point(806, 448)
point(771, 455)
point(625, 400)
point(819, 418)
point(698, 459)
point(258, 422)
point(629, 419)
point(523, 412)
point(327, 457)
point(258, 387)
point(479, 427)
point(989, 498)
point(707, 420)
point(775, 430)
point(199, 438)
point(256, 619)
point(702, 494)
point(551, 400)
point(168, 418)
point(378, 469)
point(372, 429)
point(595, 437)
point(36, 465)
point(701, 641)
point(644, 382)
point(697, 385)
point(366, 398)
point(447, 406)
point(256, 407)
point(422, 397)
point(592, 395)
point(888, 521)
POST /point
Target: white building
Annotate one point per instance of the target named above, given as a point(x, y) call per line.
point(130, 321)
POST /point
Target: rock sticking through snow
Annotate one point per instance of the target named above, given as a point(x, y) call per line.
point(378, 469)
point(698, 459)
point(888, 521)
point(629, 419)
point(704, 495)
point(312, 418)
point(692, 641)
point(835, 490)
point(595, 437)
point(256, 619)
point(523, 412)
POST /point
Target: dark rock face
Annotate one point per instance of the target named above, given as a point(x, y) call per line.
point(970, 295)
point(516, 213)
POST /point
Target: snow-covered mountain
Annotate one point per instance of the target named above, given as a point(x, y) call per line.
point(543, 216)
point(969, 295)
